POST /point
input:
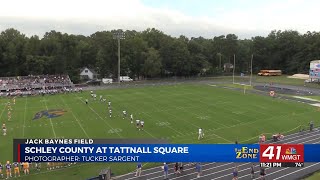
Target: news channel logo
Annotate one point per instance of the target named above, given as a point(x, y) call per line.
point(291, 151)
point(246, 152)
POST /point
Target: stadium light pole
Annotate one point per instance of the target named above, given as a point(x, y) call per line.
point(219, 54)
point(119, 34)
point(234, 66)
point(251, 70)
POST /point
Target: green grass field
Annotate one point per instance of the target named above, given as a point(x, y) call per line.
point(315, 176)
point(172, 112)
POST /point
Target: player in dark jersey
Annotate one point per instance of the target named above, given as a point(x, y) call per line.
point(4, 129)
point(109, 104)
point(131, 118)
point(1, 168)
point(141, 124)
point(8, 169)
point(124, 114)
point(138, 124)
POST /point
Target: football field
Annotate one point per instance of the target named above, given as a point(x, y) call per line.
point(173, 112)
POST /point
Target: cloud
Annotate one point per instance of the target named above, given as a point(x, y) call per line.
point(86, 17)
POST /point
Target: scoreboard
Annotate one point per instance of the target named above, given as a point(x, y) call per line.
point(106, 150)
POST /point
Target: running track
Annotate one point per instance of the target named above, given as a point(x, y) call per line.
point(222, 171)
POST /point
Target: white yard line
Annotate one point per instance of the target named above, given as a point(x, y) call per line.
point(156, 100)
point(210, 133)
point(149, 133)
point(316, 104)
point(192, 123)
point(144, 128)
point(100, 117)
point(24, 117)
point(305, 98)
point(5, 106)
point(54, 132)
point(75, 117)
point(147, 113)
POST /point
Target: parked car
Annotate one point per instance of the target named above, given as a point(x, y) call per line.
point(107, 80)
point(125, 79)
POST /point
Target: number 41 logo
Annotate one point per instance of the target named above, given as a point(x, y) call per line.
point(269, 153)
point(281, 153)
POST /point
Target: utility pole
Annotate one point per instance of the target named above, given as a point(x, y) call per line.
point(251, 70)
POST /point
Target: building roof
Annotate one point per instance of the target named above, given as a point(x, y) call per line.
point(315, 61)
point(93, 71)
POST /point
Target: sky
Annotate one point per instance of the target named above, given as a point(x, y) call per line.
point(192, 18)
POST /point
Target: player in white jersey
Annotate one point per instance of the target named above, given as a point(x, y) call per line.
point(4, 129)
point(124, 114)
point(86, 101)
point(9, 106)
point(9, 115)
point(94, 96)
point(138, 123)
point(131, 117)
point(109, 104)
point(100, 98)
point(201, 134)
point(104, 100)
point(141, 125)
point(110, 112)
point(91, 92)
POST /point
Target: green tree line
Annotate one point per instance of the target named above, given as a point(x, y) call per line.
point(152, 53)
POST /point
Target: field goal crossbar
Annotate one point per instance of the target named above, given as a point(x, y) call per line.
point(243, 84)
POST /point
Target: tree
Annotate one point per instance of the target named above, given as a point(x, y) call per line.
point(153, 53)
point(12, 52)
point(152, 64)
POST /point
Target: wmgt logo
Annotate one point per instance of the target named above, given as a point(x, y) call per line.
point(291, 150)
point(52, 113)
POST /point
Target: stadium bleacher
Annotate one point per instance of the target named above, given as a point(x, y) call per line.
point(33, 83)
